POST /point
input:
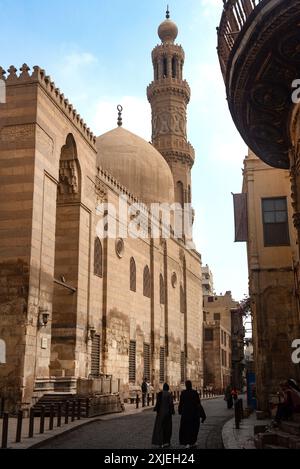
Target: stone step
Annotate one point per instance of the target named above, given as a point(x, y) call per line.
point(291, 427)
point(296, 417)
point(277, 438)
point(288, 440)
point(274, 447)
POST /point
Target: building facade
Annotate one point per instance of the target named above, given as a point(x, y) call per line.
point(237, 347)
point(207, 281)
point(258, 48)
point(76, 305)
point(272, 262)
point(217, 340)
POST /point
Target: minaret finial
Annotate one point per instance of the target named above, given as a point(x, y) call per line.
point(168, 13)
point(120, 110)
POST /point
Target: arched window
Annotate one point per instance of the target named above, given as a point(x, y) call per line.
point(180, 193)
point(165, 67)
point(182, 300)
point(147, 282)
point(132, 275)
point(156, 71)
point(174, 67)
point(98, 258)
point(162, 289)
point(189, 195)
point(2, 352)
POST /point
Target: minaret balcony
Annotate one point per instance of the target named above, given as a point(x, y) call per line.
point(259, 54)
point(169, 85)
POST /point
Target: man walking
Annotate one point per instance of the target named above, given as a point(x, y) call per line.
point(191, 412)
point(144, 391)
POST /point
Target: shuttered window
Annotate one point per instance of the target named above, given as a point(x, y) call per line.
point(147, 361)
point(132, 362)
point(182, 367)
point(182, 300)
point(147, 283)
point(162, 365)
point(95, 359)
point(209, 335)
point(275, 220)
point(162, 289)
point(98, 261)
point(132, 275)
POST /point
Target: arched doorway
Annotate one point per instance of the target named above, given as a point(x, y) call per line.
point(64, 322)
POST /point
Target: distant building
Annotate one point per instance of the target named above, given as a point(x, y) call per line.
point(207, 281)
point(217, 340)
point(249, 352)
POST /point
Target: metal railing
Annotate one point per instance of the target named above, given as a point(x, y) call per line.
point(234, 17)
point(69, 411)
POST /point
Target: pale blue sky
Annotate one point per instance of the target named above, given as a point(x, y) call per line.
point(98, 53)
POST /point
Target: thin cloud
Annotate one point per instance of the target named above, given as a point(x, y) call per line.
point(209, 7)
point(79, 59)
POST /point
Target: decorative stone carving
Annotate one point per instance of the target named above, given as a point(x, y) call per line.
point(101, 192)
point(12, 73)
point(68, 177)
point(169, 122)
point(24, 72)
point(2, 74)
point(18, 135)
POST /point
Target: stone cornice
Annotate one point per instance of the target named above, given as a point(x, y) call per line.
point(39, 77)
point(169, 86)
point(168, 49)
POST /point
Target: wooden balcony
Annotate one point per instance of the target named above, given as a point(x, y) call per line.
point(259, 54)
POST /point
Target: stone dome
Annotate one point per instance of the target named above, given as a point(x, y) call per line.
point(168, 31)
point(137, 165)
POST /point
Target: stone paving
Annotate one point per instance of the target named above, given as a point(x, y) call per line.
point(135, 431)
point(244, 437)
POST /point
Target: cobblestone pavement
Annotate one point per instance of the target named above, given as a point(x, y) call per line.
point(135, 431)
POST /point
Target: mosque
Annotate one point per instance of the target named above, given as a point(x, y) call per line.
point(75, 306)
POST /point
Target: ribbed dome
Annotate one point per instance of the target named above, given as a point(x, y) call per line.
point(137, 165)
point(168, 31)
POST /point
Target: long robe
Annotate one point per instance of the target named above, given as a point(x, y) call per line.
point(191, 411)
point(162, 432)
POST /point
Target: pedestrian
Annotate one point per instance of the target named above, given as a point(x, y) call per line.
point(164, 407)
point(144, 391)
point(228, 397)
point(291, 401)
point(234, 394)
point(148, 392)
point(191, 412)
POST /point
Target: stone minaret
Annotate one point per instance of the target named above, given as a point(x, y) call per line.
point(169, 95)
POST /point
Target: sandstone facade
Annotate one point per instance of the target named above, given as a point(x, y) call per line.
point(272, 280)
point(74, 306)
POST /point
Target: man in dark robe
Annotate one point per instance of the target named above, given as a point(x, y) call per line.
point(191, 412)
point(164, 407)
